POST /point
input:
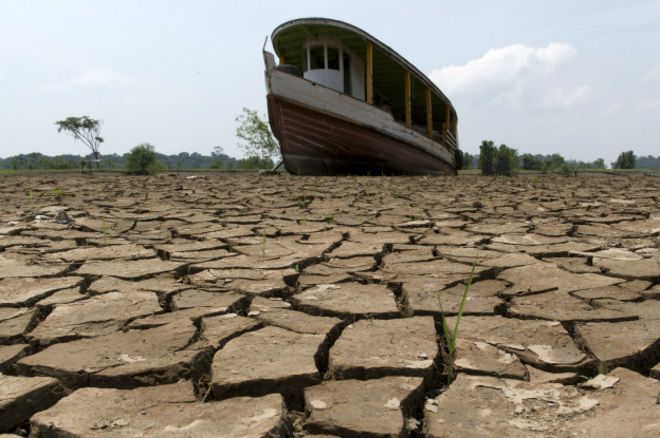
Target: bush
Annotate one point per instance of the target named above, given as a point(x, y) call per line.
point(142, 160)
point(497, 161)
point(256, 163)
point(217, 165)
point(487, 153)
point(506, 161)
point(567, 169)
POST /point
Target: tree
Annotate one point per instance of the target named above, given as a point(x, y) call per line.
point(554, 161)
point(626, 160)
point(255, 132)
point(217, 151)
point(506, 160)
point(531, 162)
point(487, 153)
point(599, 164)
point(648, 162)
point(142, 160)
point(85, 129)
point(467, 160)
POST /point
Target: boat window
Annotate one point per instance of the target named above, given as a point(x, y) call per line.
point(316, 58)
point(348, 89)
point(333, 58)
point(305, 63)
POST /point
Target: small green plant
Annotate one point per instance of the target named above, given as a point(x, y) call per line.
point(452, 336)
point(328, 218)
point(30, 197)
point(105, 232)
point(57, 194)
point(305, 201)
point(263, 244)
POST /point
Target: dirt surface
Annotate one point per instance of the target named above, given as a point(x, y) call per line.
point(247, 306)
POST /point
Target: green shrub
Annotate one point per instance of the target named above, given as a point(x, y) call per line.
point(567, 169)
point(487, 153)
point(142, 160)
point(497, 161)
point(626, 160)
point(217, 164)
point(506, 160)
point(255, 162)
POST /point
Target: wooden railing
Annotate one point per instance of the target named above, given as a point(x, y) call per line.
point(447, 139)
point(450, 139)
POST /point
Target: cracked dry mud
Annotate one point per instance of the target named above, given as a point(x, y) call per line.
point(247, 306)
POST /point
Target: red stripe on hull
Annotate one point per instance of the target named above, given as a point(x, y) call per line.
point(313, 143)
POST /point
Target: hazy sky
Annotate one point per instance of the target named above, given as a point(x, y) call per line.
point(581, 78)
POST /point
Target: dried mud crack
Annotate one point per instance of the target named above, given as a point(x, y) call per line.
point(248, 306)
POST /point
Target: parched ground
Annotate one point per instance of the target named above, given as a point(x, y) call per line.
point(246, 306)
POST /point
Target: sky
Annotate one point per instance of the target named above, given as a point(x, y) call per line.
point(576, 77)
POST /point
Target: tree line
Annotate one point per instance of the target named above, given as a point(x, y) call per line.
point(180, 161)
point(504, 160)
point(257, 141)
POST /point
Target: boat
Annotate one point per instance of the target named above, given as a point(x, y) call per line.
point(341, 102)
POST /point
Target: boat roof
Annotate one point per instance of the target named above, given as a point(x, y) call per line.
point(289, 37)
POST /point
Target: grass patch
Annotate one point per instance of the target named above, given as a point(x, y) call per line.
point(452, 336)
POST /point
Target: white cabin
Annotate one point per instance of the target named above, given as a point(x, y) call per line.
point(330, 64)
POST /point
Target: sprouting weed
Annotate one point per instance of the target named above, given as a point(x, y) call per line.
point(452, 336)
point(328, 218)
point(57, 194)
point(30, 197)
point(304, 202)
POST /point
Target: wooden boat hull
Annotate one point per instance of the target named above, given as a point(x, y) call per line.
point(316, 143)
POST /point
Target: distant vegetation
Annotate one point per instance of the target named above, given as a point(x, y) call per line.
point(648, 162)
point(181, 161)
point(503, 160)
point(262, 152)
point(258, 143)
